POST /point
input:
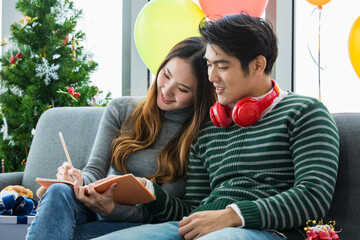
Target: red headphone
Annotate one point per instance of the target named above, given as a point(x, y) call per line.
point(246, 112)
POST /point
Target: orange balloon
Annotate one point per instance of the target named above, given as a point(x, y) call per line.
point(215, 9)
point(318, 2)
point(354, 46)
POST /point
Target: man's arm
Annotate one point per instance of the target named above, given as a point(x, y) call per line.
point(314, 143)
point(167, 207)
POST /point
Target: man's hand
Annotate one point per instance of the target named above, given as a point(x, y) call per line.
point(202, 223)
point(142, 181)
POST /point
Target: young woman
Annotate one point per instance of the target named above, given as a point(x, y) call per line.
point(150, 138)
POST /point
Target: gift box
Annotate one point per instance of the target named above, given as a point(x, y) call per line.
point(14, 227)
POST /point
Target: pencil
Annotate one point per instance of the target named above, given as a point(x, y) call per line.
point(65, 149)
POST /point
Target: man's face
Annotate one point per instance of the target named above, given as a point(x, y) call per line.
point(227, 75)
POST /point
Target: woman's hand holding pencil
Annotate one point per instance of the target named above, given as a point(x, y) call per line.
point(67, 170)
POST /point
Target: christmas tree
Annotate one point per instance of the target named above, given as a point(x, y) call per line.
point(46, 66)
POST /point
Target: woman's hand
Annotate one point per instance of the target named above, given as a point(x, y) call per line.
point(102, 204)
point(65, 172)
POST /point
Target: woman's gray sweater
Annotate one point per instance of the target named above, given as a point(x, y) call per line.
point(141, 163)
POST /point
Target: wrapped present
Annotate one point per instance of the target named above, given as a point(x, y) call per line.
point(4, 220)
point(15, 214)
point(320, 231)
point(14, 227)
point(12, 204)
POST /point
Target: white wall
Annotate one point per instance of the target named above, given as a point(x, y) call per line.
point(339, 83)
point(102, 24)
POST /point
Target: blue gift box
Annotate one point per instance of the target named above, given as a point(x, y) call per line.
point(14, 227)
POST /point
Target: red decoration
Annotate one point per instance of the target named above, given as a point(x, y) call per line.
point(320, 231)
point(13, 60)
point(72, 92)
point(66, 40)
point(77, 95)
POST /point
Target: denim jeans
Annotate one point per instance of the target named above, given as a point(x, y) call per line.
point(61, 216)
point(169, 231)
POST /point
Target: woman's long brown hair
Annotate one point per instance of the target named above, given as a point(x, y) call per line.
point(143, 126)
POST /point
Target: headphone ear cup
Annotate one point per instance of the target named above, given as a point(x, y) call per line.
point(220, 115)
point(246, 112)
point(213, 116)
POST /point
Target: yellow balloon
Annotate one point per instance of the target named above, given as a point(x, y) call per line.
point(354, 46)
point(163, 23)
point(318, 2)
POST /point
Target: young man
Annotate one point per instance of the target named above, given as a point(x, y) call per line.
point(265, 165)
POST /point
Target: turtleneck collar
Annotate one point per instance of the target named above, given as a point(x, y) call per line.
point(178, 115)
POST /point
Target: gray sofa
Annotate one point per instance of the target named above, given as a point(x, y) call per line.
point(79, 126)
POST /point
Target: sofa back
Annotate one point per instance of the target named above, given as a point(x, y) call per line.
point(345, 207)
point(79, 127)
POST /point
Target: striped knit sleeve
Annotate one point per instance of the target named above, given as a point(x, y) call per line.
point(170, 208)
point(314, 145)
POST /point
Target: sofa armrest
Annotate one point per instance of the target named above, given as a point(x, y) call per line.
point(13, 178)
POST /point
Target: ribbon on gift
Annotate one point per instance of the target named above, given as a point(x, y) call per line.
point(321, 231)
point(18, 206)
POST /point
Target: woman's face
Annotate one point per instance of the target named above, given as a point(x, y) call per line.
point(176, 85)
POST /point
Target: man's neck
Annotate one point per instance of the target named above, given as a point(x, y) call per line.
point(263, 85)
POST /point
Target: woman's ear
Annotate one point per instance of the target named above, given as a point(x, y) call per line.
point(258, 65)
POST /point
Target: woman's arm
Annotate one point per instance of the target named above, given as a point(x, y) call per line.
point(114, 116)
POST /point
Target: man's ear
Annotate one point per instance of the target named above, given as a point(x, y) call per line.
point(258, 65)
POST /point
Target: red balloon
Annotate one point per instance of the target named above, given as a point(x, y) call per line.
point(215, 9)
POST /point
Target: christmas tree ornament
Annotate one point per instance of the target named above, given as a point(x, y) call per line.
point(66, 40)
point(47, 71)
point(74, 40)
point(61, 12)
point(13, 60)
point(27, 19)
point(43, 54)
point(71, 92)
point(4, 129)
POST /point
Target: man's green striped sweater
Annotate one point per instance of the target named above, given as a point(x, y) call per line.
point(280, 172)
